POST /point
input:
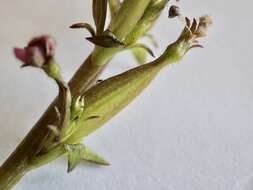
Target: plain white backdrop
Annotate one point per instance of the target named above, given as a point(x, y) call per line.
point(191, 129)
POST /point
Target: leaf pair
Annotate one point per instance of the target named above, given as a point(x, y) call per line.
point(100, 37)
point(99, 15)
point(78, 152)
point(106, 39)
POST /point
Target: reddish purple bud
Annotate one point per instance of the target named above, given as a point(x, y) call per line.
point(38, 51)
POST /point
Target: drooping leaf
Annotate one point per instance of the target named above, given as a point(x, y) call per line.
point(107, 40)
point(140, 55)
point(84, 25)
point(144, 47)
point(152, 40)
point(90, 156)
point(140, 52)
point(99, 14)
point(74, 152)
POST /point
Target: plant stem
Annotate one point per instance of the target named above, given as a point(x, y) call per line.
point(114, 7)
point(17, 164)
point(110, 96)
point(127, 19)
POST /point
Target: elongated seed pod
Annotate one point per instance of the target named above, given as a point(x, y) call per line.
point(110, 96)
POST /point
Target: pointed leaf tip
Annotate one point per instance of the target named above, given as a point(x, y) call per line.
point(84, 26)
point(90, 156)
point(78, 152)
point(144, 47)
point(152, 40)
point(74, 152)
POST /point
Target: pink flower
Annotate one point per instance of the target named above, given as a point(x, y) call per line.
point(38, 51)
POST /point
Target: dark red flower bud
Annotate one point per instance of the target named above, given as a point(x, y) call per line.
point(38, 51)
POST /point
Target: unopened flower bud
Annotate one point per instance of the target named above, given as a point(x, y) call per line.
point(38, 51)
point(174, 11)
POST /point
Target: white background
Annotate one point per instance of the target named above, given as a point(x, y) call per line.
point(191, 129)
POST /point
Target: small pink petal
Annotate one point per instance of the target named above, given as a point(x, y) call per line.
point(20, 54)
point(50, 46)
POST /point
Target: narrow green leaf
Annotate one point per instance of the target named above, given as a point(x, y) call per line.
point(152, 40)
point(107, 40)
point(140, 55)
point(74, 152)
point(99, 14)
point(143, 47)
point(84, 25)
point(90, 156)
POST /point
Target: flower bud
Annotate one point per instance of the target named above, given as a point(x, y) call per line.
point(174, 11)
point(37, 53)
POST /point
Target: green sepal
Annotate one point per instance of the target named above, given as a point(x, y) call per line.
point(86, 26)
point(107, 40)
point(76, 127)
point(76, 108)
point(74, 152)
point(90, 156)
point(78, 152)
point(99, 14)
point(52, 69)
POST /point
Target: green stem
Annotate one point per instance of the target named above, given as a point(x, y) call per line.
point(129, 14)
point(146, 22)
point(15, 167)
point(47, 158)
point(18, 163)
point(114, 7)
point(105, 100)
